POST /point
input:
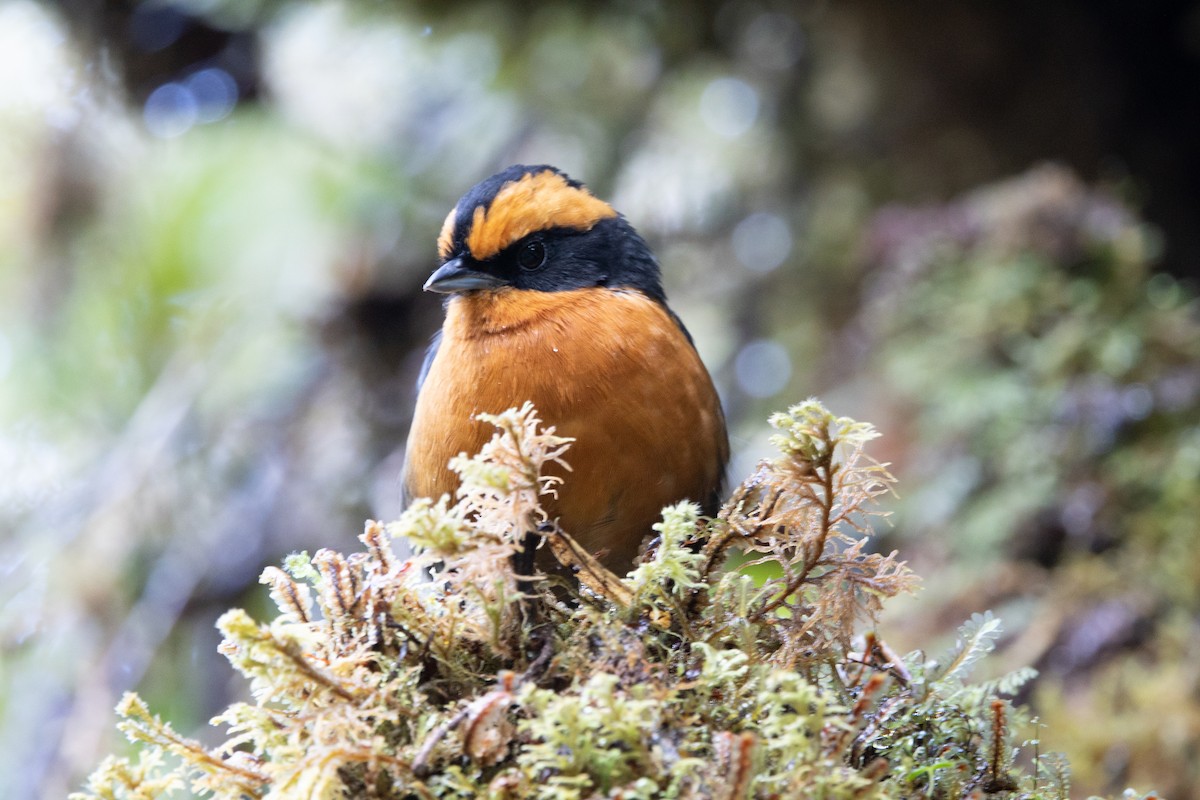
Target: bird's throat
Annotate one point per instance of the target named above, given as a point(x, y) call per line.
point(488, 313)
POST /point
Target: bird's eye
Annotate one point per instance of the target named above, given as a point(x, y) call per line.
point(532, 255)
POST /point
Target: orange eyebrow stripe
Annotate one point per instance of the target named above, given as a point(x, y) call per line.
point(534, 203)
point(445, 240)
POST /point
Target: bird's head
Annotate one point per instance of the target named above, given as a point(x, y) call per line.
point(535, 228)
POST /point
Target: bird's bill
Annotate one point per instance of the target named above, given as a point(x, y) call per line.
point(455, 276)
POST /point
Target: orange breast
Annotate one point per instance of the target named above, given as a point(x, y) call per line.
point(611, 369)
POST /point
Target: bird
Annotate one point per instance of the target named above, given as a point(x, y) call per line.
point(552, 297)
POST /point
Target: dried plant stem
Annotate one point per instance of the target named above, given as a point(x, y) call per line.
point(826, 470)
point(291, 650)
point(420, 765)
point(140, 724)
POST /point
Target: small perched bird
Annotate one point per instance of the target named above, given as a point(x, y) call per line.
point(555, 299)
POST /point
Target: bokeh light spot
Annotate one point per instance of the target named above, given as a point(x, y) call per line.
point(1138, 401)
point(1163, 291)
point(214, 91)
point(773, 41)
point(154, 26)
point(170, 110)
point(762, 368)
point(762, 241)
point(729, 107)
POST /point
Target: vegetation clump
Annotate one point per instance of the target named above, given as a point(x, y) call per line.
point(448, 674)
point(1043, 381)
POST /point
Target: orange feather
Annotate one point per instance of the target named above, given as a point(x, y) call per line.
point(536, 202)
point(609, 367)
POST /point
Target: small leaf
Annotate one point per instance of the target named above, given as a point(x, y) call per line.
point(976, 638)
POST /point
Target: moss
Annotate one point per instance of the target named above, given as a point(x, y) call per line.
point(443, 675)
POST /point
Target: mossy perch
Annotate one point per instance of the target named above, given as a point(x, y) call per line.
point(435, 676)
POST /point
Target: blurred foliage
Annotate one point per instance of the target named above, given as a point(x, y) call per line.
point(1050, 383)
point(217, 218)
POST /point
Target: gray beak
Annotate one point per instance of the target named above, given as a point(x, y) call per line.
point(454, 276)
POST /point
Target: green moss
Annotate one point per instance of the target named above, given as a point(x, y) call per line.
point(435, 676)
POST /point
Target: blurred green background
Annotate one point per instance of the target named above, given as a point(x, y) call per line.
point(971, 224)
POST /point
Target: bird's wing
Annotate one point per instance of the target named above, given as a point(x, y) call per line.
point(406, 496)
point(429, 356)
point(687, 334)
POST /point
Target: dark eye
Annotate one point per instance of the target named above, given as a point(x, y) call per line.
point(532, 255)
